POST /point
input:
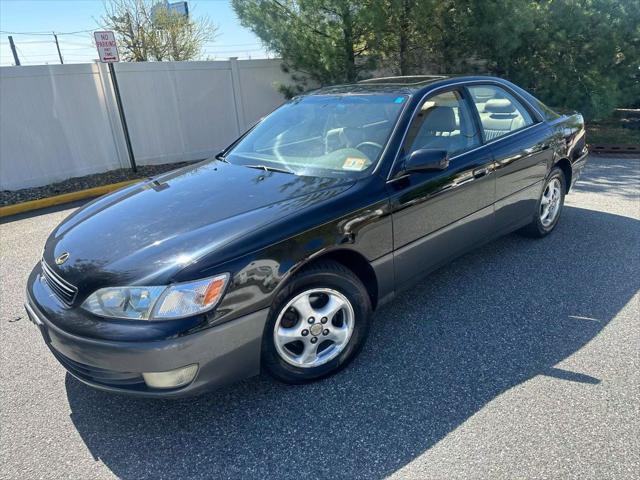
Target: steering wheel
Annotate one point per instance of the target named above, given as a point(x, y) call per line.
point(369, 144)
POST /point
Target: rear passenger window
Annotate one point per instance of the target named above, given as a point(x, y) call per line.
point(444, 122)
point(500, 112)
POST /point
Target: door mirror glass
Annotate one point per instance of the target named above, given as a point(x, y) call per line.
point(426, 160)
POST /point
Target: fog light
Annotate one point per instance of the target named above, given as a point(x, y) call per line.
point(171, 379)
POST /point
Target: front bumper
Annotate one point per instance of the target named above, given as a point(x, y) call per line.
point(224, 354)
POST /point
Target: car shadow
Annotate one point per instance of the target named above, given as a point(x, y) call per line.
point(436, 355)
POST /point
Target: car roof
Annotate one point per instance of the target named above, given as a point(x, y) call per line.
point(402, 85)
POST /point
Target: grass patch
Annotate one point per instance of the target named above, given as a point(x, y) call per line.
point(617, 130)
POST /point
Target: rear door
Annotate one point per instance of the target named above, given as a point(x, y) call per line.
point(438, 215)
point(518, 139)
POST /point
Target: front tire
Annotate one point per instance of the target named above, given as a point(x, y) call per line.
point(317, 323)
point(549, 206)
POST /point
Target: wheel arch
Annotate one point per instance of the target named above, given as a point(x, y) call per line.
point(565, 165)
point(351, 259)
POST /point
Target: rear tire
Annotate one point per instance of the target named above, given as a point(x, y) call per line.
point(549, 206)
point(317, 324)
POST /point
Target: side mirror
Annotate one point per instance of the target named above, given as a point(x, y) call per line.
point(426, 160)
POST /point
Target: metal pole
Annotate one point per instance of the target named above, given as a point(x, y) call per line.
point(116, 90)
point(13, 49)
point(58, 47)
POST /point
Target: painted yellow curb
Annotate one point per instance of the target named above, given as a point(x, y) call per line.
point(64, 198)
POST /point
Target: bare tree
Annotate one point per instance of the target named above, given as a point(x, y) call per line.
point(147, 30)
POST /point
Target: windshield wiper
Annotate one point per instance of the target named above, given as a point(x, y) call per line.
point(267, 168)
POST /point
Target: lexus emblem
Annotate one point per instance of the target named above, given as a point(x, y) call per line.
point(63, 257)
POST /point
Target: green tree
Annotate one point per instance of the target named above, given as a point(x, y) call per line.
point(580, 54)
point(585, 55)
point(148, 30)
point(395, 32)
point(328, 41)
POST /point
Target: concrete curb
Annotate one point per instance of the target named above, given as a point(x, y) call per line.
point(64, 198)
point(615, 148)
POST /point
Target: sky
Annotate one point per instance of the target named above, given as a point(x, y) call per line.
point(31, 22)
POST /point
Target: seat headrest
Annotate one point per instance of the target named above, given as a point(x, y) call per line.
point(499, 105)
point(441, 119)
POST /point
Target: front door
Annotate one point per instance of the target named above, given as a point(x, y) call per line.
point(439, 215)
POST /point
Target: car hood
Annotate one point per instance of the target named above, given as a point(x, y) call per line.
point(145, 233)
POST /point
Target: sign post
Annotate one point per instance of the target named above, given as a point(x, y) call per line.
point(108, 52)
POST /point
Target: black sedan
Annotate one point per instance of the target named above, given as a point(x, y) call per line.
point(275, 253)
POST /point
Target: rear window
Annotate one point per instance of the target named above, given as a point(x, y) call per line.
point(500, 112)
point(547, 112)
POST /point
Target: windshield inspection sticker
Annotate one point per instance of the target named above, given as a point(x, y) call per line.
point(354, 163)
point(399, 100)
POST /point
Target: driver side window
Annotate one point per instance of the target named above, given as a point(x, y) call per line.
point(444, 122)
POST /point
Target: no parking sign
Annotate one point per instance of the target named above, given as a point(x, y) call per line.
point(107, 47)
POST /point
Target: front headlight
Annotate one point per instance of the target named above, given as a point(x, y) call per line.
point(158, 303)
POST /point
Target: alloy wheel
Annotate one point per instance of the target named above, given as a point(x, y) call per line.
point(550, 202)
point(314, 327)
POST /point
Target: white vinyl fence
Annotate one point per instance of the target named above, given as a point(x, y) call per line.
point(61, 121)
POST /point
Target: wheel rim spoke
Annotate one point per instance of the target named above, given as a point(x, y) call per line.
point(333, 306)
point(303, 307)
point(309, 354)
point(287, 335)
point(545, 212)
point(338, 334)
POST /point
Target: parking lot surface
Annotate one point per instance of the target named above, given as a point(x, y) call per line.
point(518, 360)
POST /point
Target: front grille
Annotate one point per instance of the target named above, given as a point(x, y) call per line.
point(99, 375)
point(63, 289)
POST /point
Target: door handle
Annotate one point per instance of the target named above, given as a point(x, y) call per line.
point(481, 172)
point(536, 149)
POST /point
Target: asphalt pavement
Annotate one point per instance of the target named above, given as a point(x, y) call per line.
point(518, 360)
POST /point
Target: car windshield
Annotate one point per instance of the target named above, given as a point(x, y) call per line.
point(322, 135)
